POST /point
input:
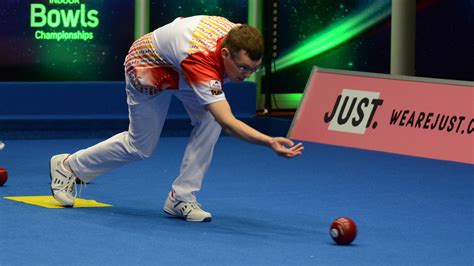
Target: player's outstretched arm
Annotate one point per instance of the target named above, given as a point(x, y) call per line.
point(223, 115)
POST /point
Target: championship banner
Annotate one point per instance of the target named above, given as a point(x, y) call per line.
point(423, 117)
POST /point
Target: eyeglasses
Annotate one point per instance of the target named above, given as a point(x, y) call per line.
point(244, 68)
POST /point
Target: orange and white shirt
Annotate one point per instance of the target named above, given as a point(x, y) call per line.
point(184, 54)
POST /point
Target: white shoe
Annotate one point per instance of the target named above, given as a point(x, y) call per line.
point(62, 181)
point(189, 211)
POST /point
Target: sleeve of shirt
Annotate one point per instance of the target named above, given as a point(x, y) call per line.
point(203, 76)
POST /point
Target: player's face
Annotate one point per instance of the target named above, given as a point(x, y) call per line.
point(239, 66)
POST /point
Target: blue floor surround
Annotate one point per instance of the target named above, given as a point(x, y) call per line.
point(267, 210)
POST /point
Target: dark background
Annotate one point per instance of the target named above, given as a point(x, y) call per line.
point(444, 39)
point(23, 58)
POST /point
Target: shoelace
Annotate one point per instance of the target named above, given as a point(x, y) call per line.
point(73, 187)
point(191, 205)
point(81, 183)
point(195, 205)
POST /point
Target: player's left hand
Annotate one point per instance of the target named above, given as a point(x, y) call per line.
point(286, 147)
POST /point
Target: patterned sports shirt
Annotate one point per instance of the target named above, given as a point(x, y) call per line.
point(184, 55)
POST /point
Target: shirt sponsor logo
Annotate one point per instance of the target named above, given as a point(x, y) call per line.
point(215, 86)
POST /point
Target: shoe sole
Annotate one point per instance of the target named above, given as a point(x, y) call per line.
point(205, 220)
point(51, 180)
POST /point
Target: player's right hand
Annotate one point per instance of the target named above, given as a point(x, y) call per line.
point(286, 147)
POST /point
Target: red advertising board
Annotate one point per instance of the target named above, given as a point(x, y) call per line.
point(423, 117)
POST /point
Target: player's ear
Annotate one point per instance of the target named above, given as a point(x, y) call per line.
point(225, 52)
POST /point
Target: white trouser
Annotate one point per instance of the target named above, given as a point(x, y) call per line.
point(147, 115)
